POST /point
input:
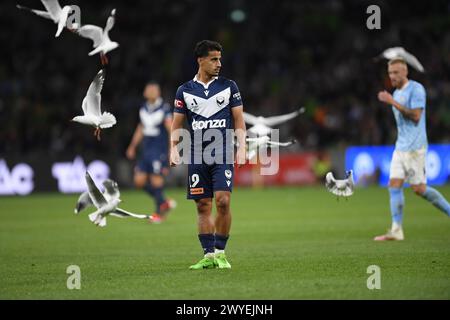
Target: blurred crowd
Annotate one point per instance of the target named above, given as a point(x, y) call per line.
point(282, 54)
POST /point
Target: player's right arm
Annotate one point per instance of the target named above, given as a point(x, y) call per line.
point(135, 141)
point(177, 125)
point(411, 114)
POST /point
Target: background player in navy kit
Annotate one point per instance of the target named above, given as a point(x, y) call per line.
point(155, 121)
point(210, 102)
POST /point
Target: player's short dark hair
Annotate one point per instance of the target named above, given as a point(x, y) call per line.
point(203, 48)
point(152, 83)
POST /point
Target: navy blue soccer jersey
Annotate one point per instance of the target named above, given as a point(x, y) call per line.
point(155, 143)
point(208, 106)
point(152, 117)
point(208, 111)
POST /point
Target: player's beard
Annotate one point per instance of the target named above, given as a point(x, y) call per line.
point(396, 83)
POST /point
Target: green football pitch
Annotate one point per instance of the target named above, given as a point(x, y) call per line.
point(286, 243)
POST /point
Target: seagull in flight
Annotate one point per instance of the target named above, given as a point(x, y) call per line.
point(262, 126)
point(341, 188)
point(401, 53)
point(91, 107)
point(106, 202)
point(54, 12)
point(261, 142)
point(100, 37)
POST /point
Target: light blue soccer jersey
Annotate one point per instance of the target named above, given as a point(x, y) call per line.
point(410, 136)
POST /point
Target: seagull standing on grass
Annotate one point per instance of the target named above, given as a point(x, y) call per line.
point(106, 202)
point(54, 12)
point(262, 126)
point(100, 37)
point(341, 188)
point(91, 107)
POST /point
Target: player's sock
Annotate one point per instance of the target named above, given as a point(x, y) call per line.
point(437, 199)
point(159, 197)
point(220, 241)
point(149, 189)
point(207, 242)
point(397, 202)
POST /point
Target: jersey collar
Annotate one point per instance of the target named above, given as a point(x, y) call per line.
point(405, 86)
point(203, 84)
point(152, 106)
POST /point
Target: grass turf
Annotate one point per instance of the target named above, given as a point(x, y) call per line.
point(286, 243)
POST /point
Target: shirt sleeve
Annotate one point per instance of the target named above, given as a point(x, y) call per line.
point(418, 98)
point(179, 103)
point(235, 99)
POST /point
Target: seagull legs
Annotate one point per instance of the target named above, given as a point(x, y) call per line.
point(104, 59)
point(97, 133)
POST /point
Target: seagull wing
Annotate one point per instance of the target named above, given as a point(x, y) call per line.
point(110, 22)
point(83, 202)
point(342, 188)
point(250, 118)
point(107, 120)
point(43, 14)
point(93, 96)
point(92, 32)
point(413, 62)
point(96, 196)
point(52, 7)
point(62, 22)
point(281, 144)
point(330, 182)
point(392, 53)
point(124, 214)
point(111, 189)
point(84, 106)
point(272, 121)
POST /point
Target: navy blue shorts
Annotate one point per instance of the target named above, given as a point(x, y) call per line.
point(204, 180)
point(153, 163)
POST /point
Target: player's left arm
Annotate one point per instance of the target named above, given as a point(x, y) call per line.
point(412, 114)
point(240, 131)
point(237, 111)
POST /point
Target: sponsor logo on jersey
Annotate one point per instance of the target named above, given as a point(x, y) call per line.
point(237, 96)
point(195, 191)
point(211, 124)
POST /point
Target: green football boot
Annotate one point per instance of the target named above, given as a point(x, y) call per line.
point(221, 261)
point(205, 263)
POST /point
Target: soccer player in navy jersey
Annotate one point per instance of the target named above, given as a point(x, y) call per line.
point(155, 120)
point(212, 106)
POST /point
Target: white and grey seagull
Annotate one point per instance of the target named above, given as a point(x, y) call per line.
point(401, 53)
point(261, 142)
point(100, 37)
point(92, 114)
point(106, 202)
point(341, 188)
point(262, 126)
point(54, 12)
